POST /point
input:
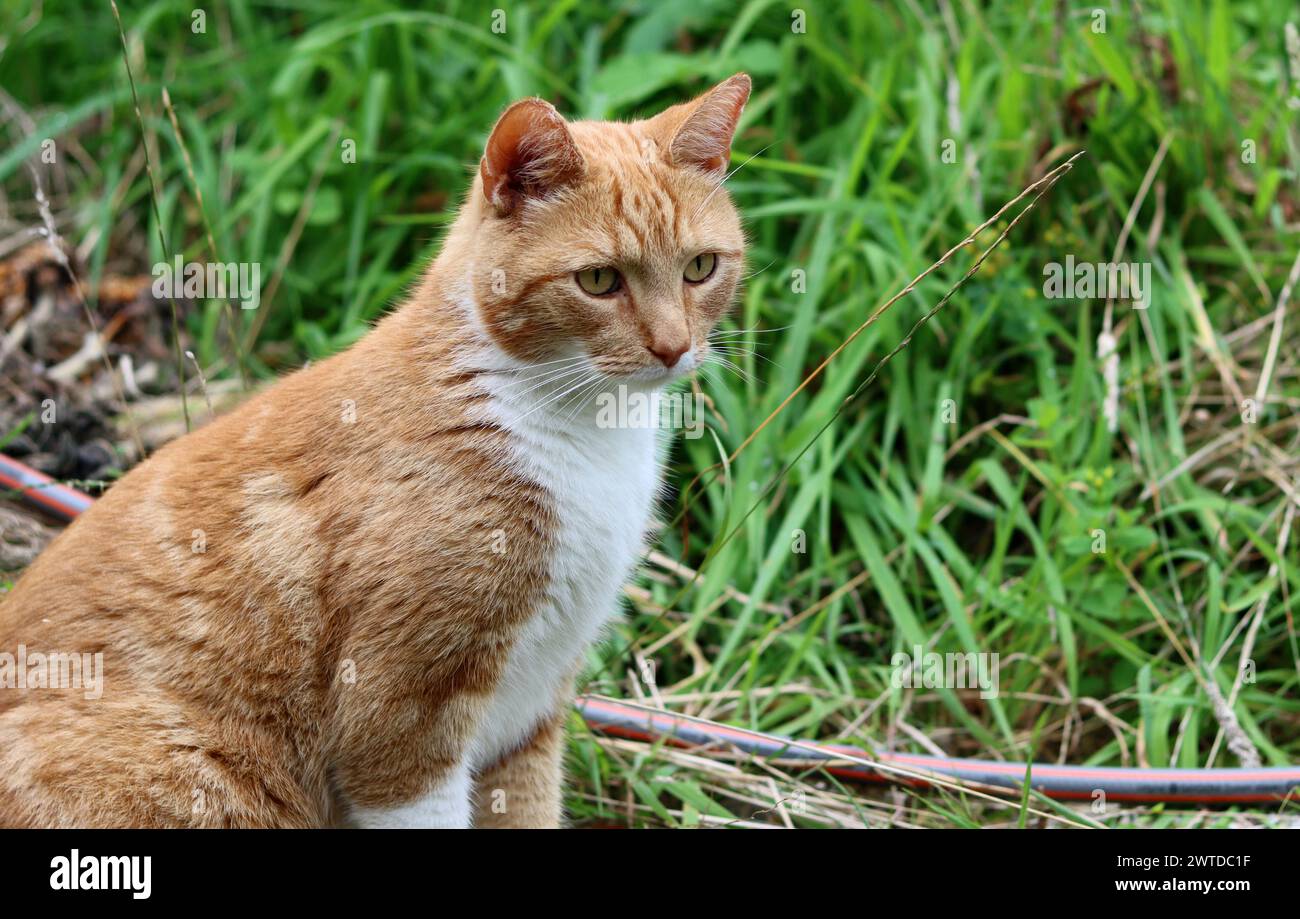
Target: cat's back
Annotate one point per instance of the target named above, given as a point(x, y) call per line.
point(208, 580)
point(164, 588)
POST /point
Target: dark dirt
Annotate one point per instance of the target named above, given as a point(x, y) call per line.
point(58, 397)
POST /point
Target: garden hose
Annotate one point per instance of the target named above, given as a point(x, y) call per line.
point(1202, 786)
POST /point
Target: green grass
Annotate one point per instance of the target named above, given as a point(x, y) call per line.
point(974, 535)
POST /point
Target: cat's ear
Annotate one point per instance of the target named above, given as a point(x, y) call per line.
point(699, 132)
point(529, 154)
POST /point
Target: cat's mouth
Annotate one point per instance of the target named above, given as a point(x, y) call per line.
point(652, 373)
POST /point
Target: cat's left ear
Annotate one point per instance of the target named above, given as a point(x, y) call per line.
point(700, 131)
point(529, 154)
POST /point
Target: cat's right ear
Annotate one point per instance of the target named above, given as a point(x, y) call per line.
point(529, 154)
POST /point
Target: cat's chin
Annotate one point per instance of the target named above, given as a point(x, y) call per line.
point(649, 377)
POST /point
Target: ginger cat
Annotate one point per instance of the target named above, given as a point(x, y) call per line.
point(361, 598)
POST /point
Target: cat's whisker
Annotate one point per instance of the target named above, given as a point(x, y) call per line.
point(728, 176)
point(543, 379)
point(554, 398)
point(746, 277)
point(731, 333)
point(493, 371)
point(534, 364)
point(549, 371)
point(576, 391)
point(732, 344)
point(554, 394)
point(564, 364)
point(524, 397)
point(742, 352)
point(711, 376)
point(737, 370)
point(559, 360)
point(592, 389)
point(730, 365)
point(574, 400)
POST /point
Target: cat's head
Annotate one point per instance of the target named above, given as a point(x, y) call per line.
point(610, 240)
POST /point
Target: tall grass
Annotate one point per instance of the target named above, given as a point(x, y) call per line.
point(955, 504)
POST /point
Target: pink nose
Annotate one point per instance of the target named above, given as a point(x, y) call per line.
point(669, 354)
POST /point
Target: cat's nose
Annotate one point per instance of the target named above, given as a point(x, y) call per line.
point(669, 352)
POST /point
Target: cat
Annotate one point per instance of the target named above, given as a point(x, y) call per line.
point(361, 598)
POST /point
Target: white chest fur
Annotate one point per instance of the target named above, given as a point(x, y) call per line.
point(604, 482)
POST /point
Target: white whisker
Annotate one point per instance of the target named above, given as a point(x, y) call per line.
point(580, 402)
point(553, 398)
point(730, 365)
point(549, 376)
point(731, 333)
point(741, 352)
point(728, 176)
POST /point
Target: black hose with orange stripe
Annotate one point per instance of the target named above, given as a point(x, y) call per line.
point(1202, 786)
point(41, 490)
point(638, 722)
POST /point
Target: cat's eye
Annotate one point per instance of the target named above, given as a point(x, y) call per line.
point(701, 267)
point(599, 282)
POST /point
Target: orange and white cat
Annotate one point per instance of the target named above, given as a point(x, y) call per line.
point(362, 597)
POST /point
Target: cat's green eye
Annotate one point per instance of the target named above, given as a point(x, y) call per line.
point(599, 282)
point(701, 267)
